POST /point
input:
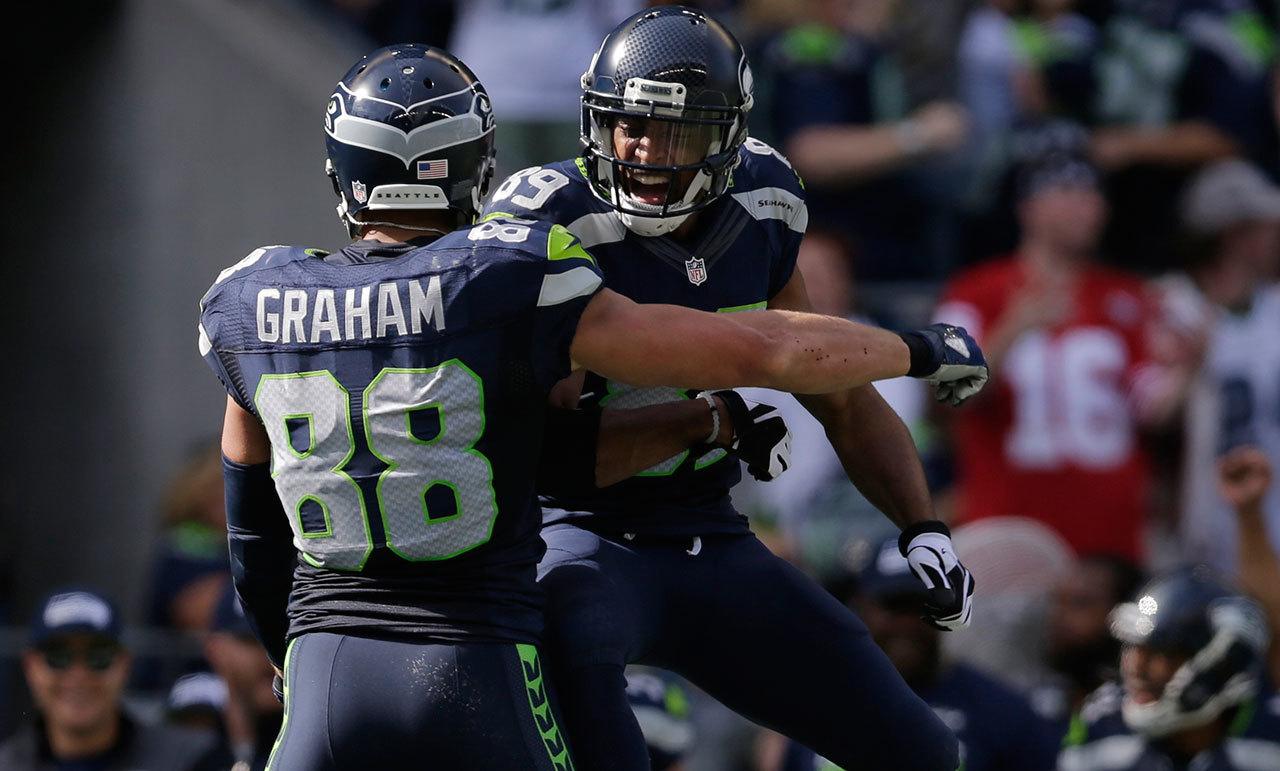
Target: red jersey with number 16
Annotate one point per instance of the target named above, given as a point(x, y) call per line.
point(1053, 437)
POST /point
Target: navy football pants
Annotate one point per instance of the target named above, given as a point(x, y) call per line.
point(741, 624)
point(355, 702)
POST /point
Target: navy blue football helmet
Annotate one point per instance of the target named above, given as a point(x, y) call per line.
point(1221, 634)
point(409, 127)
point(661, 708)
point(680, 78)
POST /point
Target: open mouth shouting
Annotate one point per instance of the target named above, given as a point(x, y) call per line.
point(648, 187)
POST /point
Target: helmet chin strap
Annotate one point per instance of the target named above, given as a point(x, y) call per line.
point(651, 227)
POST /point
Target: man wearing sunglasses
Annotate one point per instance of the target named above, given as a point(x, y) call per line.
point(76, 668)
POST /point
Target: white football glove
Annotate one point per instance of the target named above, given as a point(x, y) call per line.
point(760, 435)
point(927, 547)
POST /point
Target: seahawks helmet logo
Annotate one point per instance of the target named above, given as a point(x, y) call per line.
point(332, 110)
point(485, 110)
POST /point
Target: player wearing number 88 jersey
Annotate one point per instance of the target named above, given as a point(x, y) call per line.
point(397, 388)
point(400, 410)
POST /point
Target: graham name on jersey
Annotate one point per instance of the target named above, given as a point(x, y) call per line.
point(316, 315)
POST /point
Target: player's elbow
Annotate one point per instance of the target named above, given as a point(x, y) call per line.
point(776, 360)
point(740, 356)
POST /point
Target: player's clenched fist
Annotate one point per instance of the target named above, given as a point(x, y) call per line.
point(928, 549)
point(1244, 474)
point(948, 357)
point(760, 435)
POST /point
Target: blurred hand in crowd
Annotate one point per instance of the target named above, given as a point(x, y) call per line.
point(942, 126)
point(844, 153)
point(1111, 148)
point(1244, 477)
point(1043, 301)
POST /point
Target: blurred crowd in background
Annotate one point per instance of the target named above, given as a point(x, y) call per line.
point(1089, 186)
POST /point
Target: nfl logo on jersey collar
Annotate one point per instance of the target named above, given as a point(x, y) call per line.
point(696, 270)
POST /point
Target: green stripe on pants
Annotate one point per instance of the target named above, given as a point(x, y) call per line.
point(540, 705)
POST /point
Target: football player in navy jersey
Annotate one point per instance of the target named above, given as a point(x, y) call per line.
point(385, 414)
point(679, 206)
point(1191, 693)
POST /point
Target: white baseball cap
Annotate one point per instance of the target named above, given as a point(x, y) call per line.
point(1228, 193)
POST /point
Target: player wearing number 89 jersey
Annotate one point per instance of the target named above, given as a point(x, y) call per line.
point(679, 206)
point(397, 388)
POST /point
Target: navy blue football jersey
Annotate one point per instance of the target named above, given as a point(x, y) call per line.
point(1099, 740)
point(403, 389)
point(742, 253)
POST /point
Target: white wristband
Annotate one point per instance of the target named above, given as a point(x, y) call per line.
point(715, 417)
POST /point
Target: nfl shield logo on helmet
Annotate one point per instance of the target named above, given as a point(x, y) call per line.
point(696, 270)
point(358, 191)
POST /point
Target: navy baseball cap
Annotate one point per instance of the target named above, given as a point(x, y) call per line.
point(228, 615)
point(1055, 171)
point(196, 693)
point(76, 611)
point(887, 574)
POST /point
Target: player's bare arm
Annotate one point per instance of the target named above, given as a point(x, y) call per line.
point(625, 442)
point(873, 444)
point(628, 441)
point(653, 345)
point(244, 440)
point(632, 440)
point(878, 454)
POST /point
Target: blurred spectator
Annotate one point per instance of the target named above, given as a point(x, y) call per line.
point(840, 114)
point(1245, 473)
point(1191, 694)
point(253, 714)
point(992, 73)
point(1018, 562)
point(1181, 83)
point(386, 22)
point(1019, 74)
point(191, 568)
point(76, 669)
point(1054, 437)
point(1228, 305)
point(1059, 46)
point(1079, 649)
point(662, 709)
point(996, 727)
point(530, 55)
point(197, 700)
point(925, 36)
